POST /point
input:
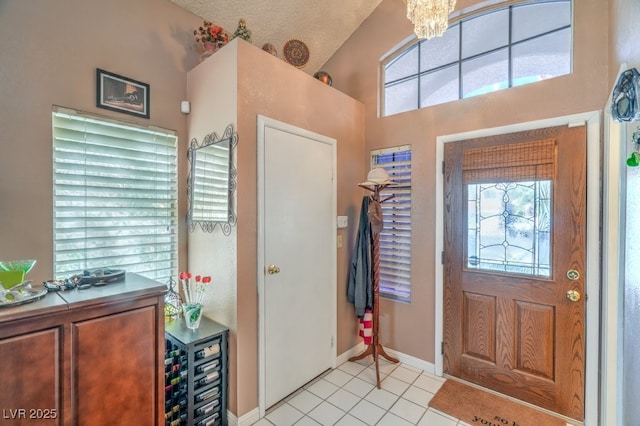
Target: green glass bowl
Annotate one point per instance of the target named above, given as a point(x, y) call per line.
point(17, 265)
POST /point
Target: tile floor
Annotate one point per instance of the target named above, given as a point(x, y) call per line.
point(348, 396)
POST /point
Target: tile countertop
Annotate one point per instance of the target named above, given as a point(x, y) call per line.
point(132, 286)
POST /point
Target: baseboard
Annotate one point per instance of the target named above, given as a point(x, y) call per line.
point(355, 350)
point(254, 415)
point(412, 361)
point(248, 419)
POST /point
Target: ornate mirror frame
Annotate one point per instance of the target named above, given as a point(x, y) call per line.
point(211, 182)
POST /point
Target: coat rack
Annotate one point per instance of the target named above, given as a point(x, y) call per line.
point(375, 348)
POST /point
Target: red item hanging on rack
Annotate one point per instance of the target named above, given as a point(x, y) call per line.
point(365, 329)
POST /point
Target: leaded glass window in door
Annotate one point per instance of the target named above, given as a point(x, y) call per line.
point(509, 227)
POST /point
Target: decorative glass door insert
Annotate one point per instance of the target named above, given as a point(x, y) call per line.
point(508, 227)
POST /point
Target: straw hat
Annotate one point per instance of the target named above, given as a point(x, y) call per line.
point(377, 176)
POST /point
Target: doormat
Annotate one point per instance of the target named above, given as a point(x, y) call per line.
point(477, 407)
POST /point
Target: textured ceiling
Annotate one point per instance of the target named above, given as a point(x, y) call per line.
point(322, 25)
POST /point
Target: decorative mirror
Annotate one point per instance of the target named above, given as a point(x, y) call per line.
point(212, 182)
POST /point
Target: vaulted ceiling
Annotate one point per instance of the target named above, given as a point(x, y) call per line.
point(323, 26)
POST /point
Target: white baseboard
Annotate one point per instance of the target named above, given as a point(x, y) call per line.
point(232, 420)
point(355, 350)
point(248, 419)
point(412, 361)
point(254, 415)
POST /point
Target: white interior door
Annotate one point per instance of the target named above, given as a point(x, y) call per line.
point(297, 263)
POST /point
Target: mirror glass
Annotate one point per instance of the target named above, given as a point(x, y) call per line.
point(210, 183)
point(210, 173)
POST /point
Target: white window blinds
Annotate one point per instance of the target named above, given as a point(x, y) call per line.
point(114, 197)
point(395, 238)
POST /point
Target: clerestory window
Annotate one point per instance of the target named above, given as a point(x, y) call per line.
point(512, 46)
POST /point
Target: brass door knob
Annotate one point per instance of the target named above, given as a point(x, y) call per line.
point(573, 295)
point(273, 269)
point(573, 275)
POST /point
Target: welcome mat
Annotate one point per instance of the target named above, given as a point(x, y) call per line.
point(476, 407)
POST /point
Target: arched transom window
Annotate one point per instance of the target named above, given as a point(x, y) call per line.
point(506, 47)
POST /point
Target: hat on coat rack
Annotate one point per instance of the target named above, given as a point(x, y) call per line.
point(377, 176)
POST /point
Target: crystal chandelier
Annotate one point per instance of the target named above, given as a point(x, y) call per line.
point(429, 17)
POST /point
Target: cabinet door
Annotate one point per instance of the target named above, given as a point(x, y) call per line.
point(31, 369)
point(115, 359)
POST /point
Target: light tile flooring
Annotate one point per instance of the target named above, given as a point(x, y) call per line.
point(348, 396)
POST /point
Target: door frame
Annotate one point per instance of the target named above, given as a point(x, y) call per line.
point(592, 330)
point(262, 123)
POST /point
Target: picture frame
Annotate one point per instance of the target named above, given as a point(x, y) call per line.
point(122, 94)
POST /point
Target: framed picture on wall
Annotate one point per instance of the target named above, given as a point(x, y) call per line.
point(121, 94)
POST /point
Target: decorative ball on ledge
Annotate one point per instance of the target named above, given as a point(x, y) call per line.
point(324, 77)
point(268, 47)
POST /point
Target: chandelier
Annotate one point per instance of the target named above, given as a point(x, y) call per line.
point(429, 17)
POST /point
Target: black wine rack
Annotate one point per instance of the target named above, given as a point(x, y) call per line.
point(196, 374)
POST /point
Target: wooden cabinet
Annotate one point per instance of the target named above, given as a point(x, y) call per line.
point(85, 357)
point(31, 367)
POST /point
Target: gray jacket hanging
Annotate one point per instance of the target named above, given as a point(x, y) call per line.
point(360, 284)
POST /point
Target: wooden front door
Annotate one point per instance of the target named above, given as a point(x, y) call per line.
point(514, 265)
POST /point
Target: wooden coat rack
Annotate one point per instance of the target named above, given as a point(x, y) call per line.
point(375, 348)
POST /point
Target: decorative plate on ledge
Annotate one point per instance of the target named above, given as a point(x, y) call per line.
point(296, 53)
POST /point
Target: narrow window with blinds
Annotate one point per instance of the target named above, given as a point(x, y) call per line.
point(114, 197)
point(395, 238)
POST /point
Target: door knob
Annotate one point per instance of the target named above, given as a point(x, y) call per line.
point(273, 269)
point(573, 295)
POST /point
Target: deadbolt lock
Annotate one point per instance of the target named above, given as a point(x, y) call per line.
point(573, 295)
point(573, 275)
point(273, 269)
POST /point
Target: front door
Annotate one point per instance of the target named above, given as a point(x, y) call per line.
point(514, 265)
point(298, 200)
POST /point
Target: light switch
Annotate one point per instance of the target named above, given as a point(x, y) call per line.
point(339, 239)
point(343, 221)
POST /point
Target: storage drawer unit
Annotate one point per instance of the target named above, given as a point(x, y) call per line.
point(196, 374)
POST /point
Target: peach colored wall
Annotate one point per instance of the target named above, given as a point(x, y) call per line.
point(355, 68)
point(242, 76)
point(626, 49)
point(49, 52)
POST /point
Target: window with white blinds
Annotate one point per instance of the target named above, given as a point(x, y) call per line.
point(114, 197)
point(395, 238)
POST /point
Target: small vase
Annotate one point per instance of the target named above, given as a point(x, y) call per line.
point(192, 314)
point(210, 48)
